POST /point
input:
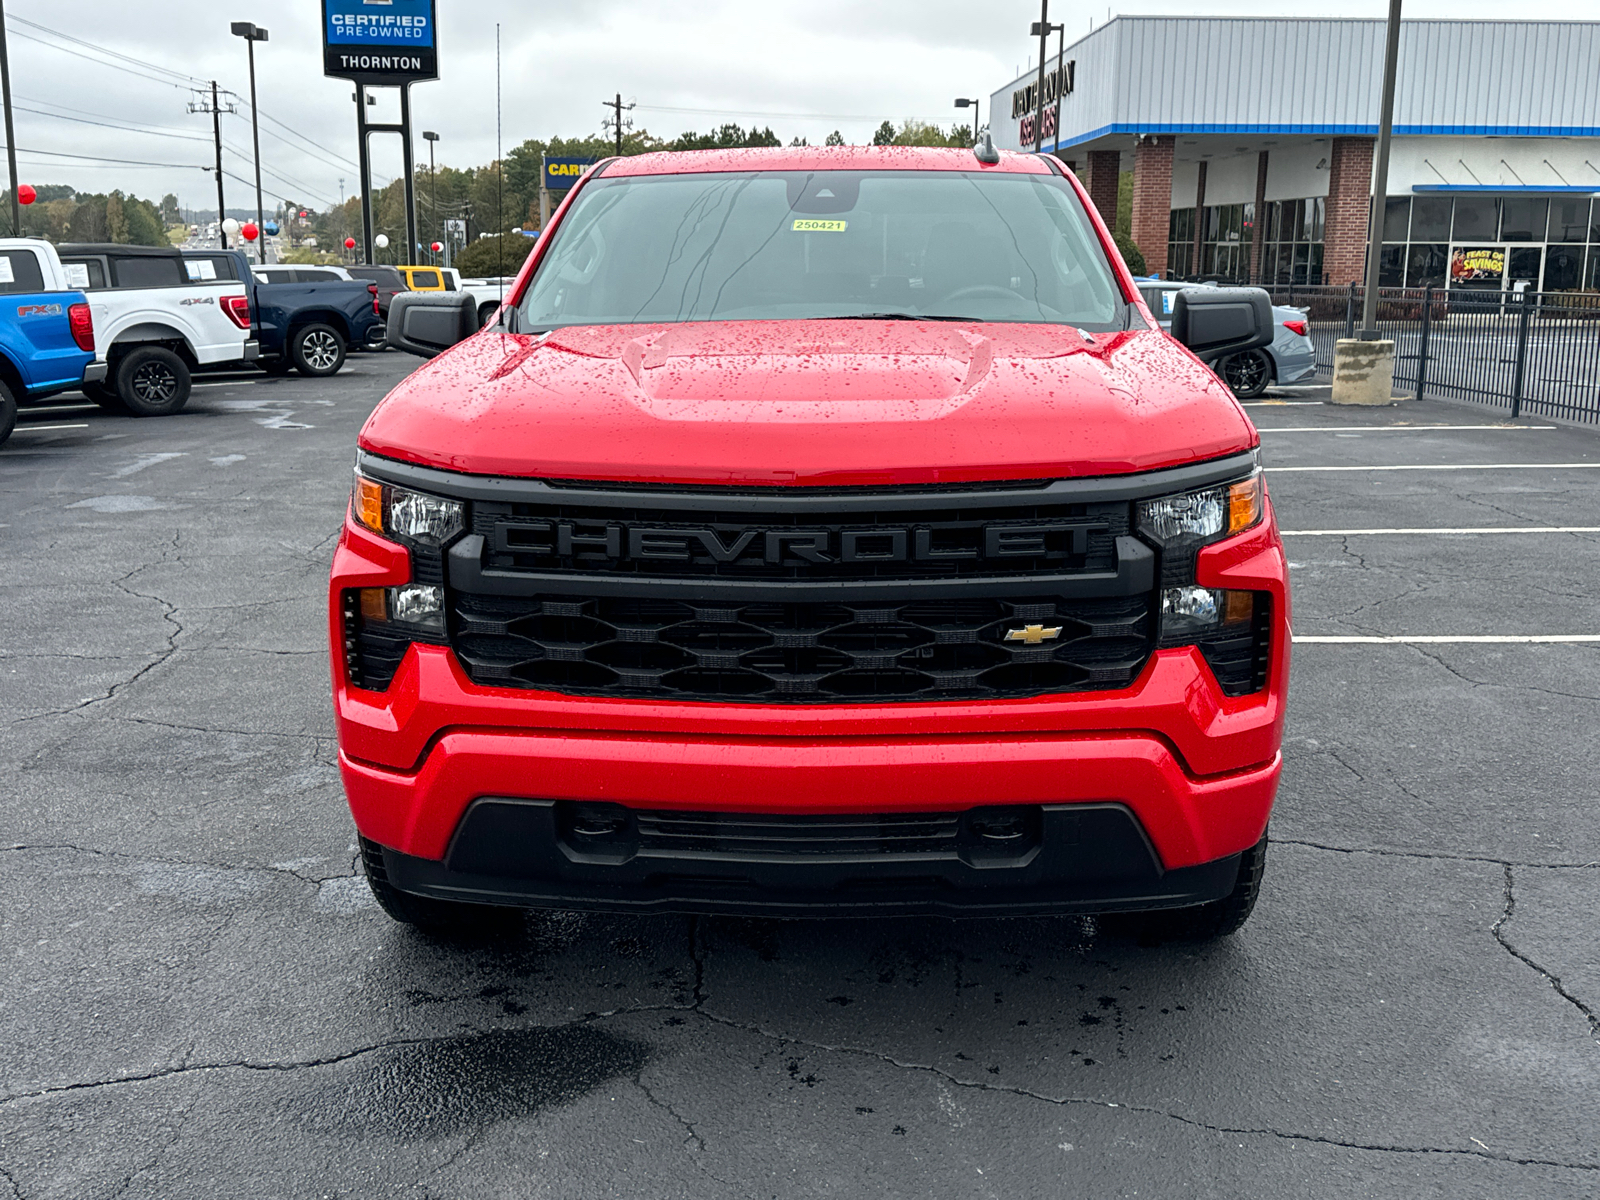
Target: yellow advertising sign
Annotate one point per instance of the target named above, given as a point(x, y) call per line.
point(812, 225)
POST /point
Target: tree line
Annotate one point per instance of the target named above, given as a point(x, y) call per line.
point(61, 214)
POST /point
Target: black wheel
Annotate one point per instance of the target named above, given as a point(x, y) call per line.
point(317, 350)
point(447, 918)
point(486, 314)
point(106, 397)
point(153, 382)
point(1247, 374)
point(1203, 922)
point(8, 413)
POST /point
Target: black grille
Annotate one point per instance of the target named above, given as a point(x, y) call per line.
point(832, 836)
point(943, 541)
point(810, 652)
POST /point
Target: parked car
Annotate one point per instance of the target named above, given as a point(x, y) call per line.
point(282, 273)
point(155, 326)
point(46, 329)
point(390, 284)
point(1290, 358)
point(817, 545)
point(300, 325)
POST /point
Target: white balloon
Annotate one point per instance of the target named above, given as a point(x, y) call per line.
point(230, 227)
point(381, 241)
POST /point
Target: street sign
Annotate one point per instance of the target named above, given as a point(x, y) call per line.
point(380, 43)
point(561, 173)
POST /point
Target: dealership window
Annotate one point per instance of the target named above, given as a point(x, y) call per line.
point(1482, 241)
point(1180, 242)
point(1291, 250)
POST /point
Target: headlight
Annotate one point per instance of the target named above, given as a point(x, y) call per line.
point(1195, 518)
point(398, 512)
point(410, 604)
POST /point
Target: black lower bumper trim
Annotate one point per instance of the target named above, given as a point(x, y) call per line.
point(1075, 858)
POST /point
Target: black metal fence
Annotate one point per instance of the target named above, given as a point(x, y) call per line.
point(1535, 352)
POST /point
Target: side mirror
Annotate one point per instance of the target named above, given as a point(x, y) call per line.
point(429, 323)
point(1216, 322)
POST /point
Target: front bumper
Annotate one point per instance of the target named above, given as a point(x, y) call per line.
point(1192, 771)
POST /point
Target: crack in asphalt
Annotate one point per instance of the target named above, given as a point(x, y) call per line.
point(691, 1134)
point(1487, 860)
point(315, 881)
point(168, 615)
point(11, 1179)
point(1434, 656)
point(1143, 1109)
point(1549, 977)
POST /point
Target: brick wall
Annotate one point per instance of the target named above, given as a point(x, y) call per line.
point(1344, 239)
point(1259, 232)
point(1152, 200)
point(1104, 168)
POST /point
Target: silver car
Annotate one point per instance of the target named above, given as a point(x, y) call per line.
point(1290, 359)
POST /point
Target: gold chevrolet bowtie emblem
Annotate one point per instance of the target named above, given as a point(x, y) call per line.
point(1033, 634)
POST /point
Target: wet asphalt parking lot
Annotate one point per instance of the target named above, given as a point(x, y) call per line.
point(201, 1000)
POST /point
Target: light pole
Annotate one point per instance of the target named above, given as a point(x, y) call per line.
point(11, 137)
point(1380, 179)
point(1042, 29)
point(253, 34)
point(973, 105)
point(433, 186)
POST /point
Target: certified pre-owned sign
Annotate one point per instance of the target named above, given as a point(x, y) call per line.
point(379, 42)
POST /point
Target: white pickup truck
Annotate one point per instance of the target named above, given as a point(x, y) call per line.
point(154, 325)
point(487, 292)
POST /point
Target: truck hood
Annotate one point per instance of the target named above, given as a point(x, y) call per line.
point(820, 403)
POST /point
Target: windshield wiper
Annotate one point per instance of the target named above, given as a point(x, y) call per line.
point(898, 316)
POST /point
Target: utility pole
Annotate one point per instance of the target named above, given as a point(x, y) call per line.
point(215, 109)
point(253, 34)
point(967, 102)
point(1380, 179)
point(11, 134)
point(615, 121)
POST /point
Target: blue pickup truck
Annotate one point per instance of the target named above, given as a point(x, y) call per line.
point(46, 329)
point(306, 327)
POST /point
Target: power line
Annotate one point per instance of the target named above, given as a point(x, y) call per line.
point(745, 112)
point(84, 112)
point(342, 162)
point(99, 62)
point(139, 62)
point(303, 187)
point(132, 162)
point(188, 137)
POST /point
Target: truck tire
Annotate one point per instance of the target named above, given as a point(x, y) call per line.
point(486, 314)
point(153, 382)
point(1203, 922)
point(105, 396)
point(440, 917)
point(8, 413)
point(317, 350)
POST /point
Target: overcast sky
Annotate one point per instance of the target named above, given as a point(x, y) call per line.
point(805, 69)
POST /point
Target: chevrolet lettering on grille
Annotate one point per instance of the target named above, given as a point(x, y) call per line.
point(724, 545)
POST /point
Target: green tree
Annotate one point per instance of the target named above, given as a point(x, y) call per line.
point(835, 139)
point(885, 134)
point(1124, 226)
point(1131, 254)
point(494, 255)
point(169, 209)
point(116, 219)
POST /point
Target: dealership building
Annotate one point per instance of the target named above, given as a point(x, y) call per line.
point(1251, 143)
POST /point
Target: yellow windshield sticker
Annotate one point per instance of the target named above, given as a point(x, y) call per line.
point(811, 225)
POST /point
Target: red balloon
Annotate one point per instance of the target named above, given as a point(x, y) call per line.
point(26, 194)
point(349, 243)
point(251, 233)
point(438, 246)
point(304, 214)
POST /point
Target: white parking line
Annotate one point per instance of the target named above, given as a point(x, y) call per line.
point(42, 428)
point(1393, 428)
point(1451, 639)
point(1483, 529)
point(1588, 466)
point(1280, 403)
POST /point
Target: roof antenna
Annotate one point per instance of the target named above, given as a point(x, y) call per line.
point(985, 152)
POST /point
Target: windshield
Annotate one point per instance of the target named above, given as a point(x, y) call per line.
point(774, 245)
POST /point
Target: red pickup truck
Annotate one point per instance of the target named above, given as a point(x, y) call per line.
point(816, 531)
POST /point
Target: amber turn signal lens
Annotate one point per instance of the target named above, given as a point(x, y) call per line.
point(1244, 504)
point(1238, 607)
point(367, 504)
point(375, 604)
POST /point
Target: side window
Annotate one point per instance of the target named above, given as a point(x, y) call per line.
point(85, 274)
point(19, 272)
point(305, 276)
point(208, 269)
point(149, 272)
point(425, 279)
